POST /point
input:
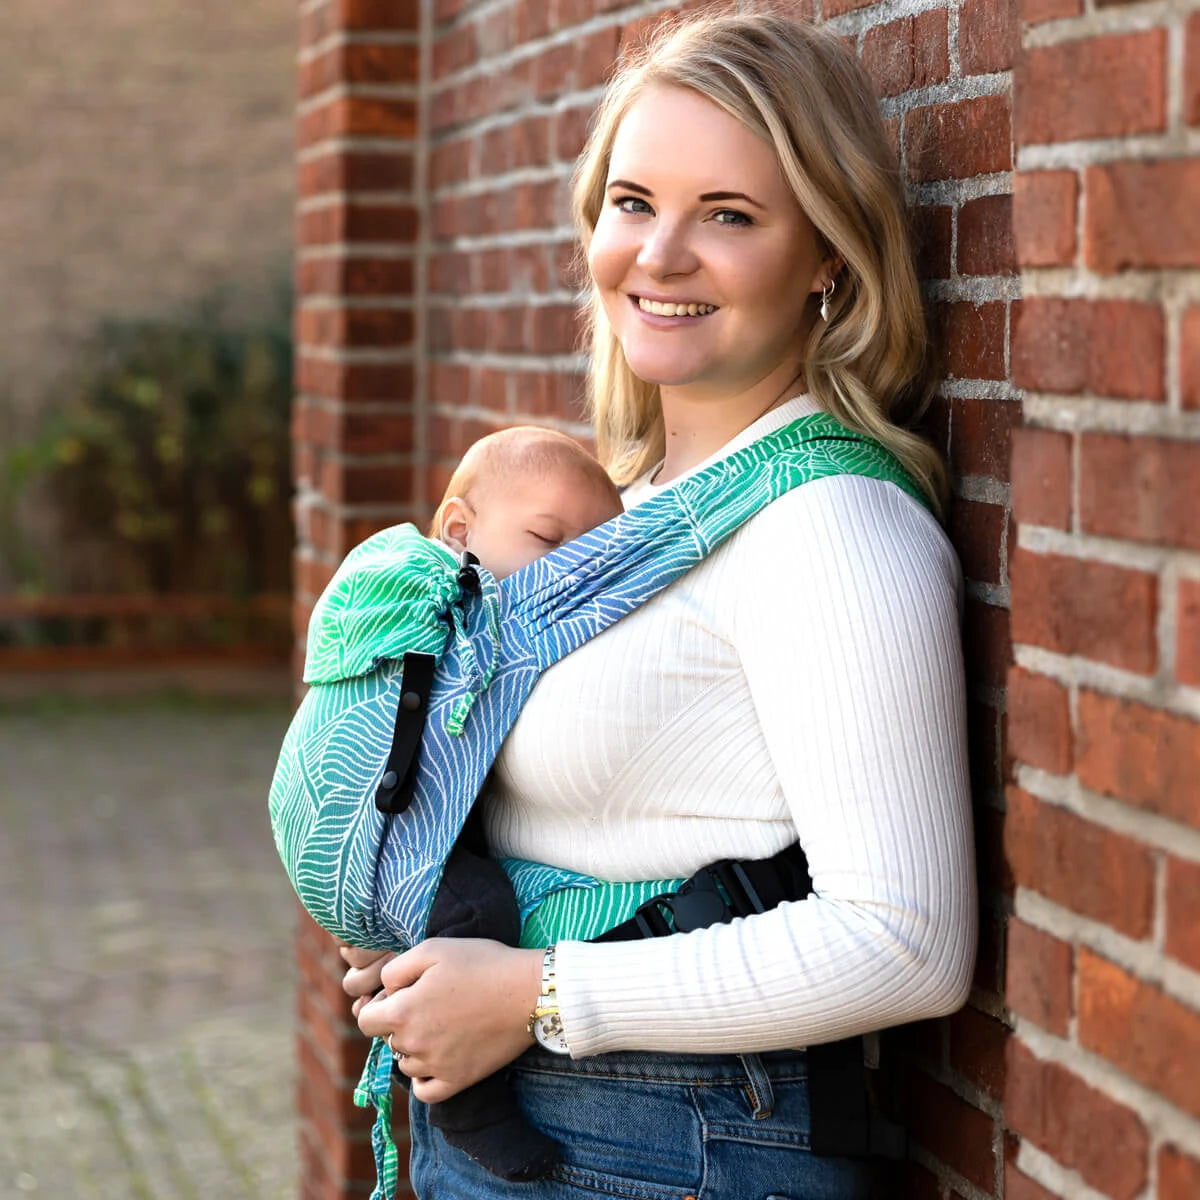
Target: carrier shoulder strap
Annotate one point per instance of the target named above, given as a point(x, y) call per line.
point(645, 549)
point(569, 596)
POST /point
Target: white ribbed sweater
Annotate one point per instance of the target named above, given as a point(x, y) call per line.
point(806, 678)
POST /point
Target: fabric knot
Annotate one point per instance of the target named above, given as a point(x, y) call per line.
point(475, 621)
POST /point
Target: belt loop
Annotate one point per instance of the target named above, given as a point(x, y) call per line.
point(758, 1084)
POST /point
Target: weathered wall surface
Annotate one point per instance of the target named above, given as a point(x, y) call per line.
point(146, 158)
point(356, 439)
point(1103, 824)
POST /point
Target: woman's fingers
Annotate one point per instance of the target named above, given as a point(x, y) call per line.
point(357, 1006)
point(456, 1008)
point(365, 969)
point(381, 1015)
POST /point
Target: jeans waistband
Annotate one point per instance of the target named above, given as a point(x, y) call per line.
point(781, 1065)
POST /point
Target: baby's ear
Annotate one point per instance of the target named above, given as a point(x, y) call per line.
point(456, 517)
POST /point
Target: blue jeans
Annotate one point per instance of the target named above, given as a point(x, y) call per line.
point(654, 1127)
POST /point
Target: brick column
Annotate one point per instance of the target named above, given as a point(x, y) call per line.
point(354, 431)
point(1103, 826)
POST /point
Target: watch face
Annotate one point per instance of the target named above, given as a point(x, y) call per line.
point(548, 1031)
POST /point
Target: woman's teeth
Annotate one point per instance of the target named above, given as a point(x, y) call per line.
point(659, 309)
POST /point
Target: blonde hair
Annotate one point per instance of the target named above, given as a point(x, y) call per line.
point(521, 450)
point(803, 92)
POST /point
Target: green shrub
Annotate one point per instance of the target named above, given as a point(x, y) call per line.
point(167, 459)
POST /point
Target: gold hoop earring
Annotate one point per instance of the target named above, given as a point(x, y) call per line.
point(826, 293)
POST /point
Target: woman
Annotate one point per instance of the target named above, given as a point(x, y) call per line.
point(745, 240)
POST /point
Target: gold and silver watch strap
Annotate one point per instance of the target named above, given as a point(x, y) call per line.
point(545, 1022)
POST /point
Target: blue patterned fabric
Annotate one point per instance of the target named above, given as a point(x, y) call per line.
point(370, 878)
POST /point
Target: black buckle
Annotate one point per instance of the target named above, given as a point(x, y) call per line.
point(701, 902)
point(468, 577)
point(394, 792)
point(717, 893)
point(713, 896)
point(649, 916)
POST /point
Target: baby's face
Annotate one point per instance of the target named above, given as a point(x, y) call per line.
point(518, 522)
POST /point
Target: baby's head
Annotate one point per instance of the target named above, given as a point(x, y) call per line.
point(518, 493)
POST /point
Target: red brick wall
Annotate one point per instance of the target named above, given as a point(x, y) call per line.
point(355, 429)
point(1103, 736)
point(437, 304)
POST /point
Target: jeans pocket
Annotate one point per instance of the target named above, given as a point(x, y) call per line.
point(752, 1156)
point(657, 1156)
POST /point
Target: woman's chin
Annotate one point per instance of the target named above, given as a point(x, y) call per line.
point(655, 371)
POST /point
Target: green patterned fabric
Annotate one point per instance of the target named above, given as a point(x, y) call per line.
point(577, 914)
point(385, 600)
point(370, 877)
point(375, 1088)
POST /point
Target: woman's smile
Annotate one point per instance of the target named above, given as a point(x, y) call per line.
point(673, 308)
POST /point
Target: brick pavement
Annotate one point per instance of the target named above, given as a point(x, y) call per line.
point(146, 984)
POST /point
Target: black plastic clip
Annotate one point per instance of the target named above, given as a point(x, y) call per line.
point(395, 791)
point(468, 577)
point(700, 902)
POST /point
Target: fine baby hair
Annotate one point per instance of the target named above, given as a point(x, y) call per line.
point(523, 451)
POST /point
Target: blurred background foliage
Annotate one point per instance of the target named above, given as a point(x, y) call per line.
point(162, 464)
point(145, 219)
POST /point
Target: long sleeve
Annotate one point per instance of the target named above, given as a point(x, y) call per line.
point(845, 622)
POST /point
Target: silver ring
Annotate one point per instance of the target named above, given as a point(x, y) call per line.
point(400, 1055)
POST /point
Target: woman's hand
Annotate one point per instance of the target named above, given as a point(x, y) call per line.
point(362, 979)
point(457, 1008)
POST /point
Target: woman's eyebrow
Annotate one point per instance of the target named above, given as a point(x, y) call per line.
point(710, 196)
point(707, 197)
point(628, 186)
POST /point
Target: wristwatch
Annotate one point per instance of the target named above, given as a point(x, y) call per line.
point(545, 1022)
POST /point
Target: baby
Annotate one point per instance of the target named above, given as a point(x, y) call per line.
point(516, 495)
point(519, 493)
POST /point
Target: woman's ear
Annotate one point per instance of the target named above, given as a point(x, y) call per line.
point(827, 275)
point(457, 516)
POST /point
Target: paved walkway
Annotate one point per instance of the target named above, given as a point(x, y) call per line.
point(146, 990)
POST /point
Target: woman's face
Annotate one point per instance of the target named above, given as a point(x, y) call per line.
point(702, 257)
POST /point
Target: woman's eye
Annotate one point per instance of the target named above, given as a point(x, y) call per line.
point(632, 204)
point(731, 216)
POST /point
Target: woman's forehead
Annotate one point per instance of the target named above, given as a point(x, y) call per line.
point(671, 131)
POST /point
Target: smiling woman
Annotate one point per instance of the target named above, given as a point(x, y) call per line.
point(740, 262)
point(776, 135)
point(798, 691)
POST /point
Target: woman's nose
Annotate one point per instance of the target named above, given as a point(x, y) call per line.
point(666, 250)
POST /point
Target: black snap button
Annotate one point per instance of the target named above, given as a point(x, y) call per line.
point(410, 701)
point(389, 780)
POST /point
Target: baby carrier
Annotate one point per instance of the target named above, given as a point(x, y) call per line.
point(418, 673)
